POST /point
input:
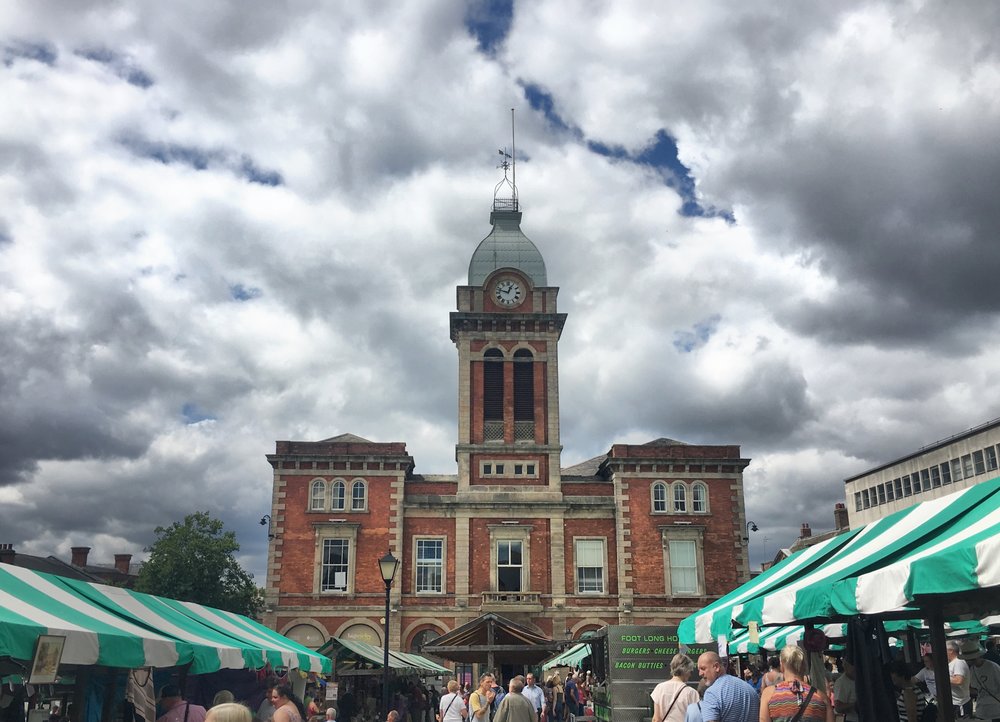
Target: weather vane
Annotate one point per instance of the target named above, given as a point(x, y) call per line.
point(508, 161)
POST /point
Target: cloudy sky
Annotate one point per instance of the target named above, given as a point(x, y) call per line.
point(227, 223)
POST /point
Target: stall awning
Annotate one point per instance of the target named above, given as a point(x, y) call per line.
point(118, 627)
point(400, 661)
point(774, 639)
point(33, 603)
point(223, 640)
point(492, 636)
point(569, 658)
point(939, 548)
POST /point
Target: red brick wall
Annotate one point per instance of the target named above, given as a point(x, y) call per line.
point(590, 528)
point(424, 527)
point(721, 560)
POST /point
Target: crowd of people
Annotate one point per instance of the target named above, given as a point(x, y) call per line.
point(785, 691)
point(524, 700)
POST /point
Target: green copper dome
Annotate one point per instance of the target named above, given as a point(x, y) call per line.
point(506, 247)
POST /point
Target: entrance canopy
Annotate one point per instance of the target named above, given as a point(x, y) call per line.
point(571, 657)
point(943, 552)
point(352, 654)
point(493, 639)
point(116, 627)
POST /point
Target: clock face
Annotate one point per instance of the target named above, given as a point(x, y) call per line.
point(508, 292)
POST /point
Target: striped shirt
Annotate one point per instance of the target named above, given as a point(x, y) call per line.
point(729, 699)
point(788, 697)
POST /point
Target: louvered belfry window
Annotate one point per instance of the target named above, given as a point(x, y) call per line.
point(524, 395)
point(524, 386)
point(493, 395)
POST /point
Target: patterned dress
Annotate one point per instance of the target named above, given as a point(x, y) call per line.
point(786, 700)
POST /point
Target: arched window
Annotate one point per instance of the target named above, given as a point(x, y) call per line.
point(307, 635)
point(680, 497)
point(337, 493)
point(493, 395)
point(699, 498)
point(424, 636)
point(317, 495)
point(524, 395)
point(359, 496)
point(659, 497)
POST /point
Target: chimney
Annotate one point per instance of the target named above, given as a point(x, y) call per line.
point(80, 556)
point(840, 517)
point(7, 554)
point(805, 532)
point(122, 562)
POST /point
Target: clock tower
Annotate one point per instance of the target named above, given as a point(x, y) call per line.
point(507, 330)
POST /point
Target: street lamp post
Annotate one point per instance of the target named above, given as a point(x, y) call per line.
point(387, 566)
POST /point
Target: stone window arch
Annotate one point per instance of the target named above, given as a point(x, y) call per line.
point(317, 495)
point(359, 495)
point(679, 503)
point(659, 497)
point(338, 494)
point(699, 498)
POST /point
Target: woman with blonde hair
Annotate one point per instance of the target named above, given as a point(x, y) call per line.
point(229, 712)
point(452, 707)
point(671, 698)
point(558, 696)
point(793, 698)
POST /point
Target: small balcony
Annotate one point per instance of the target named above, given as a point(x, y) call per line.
point(511, 602)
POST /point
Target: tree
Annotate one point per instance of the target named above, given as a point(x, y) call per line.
point(193, 561)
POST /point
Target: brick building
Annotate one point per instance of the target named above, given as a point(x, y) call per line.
point(642, 534)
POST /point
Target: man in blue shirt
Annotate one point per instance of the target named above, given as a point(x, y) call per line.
point(727, 699)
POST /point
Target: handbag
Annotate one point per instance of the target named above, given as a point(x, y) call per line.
point(676, 695)
point(448, 707)
point(802, 707)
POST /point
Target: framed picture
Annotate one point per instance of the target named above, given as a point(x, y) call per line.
point(45, 665)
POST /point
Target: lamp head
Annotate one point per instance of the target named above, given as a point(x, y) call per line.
point(388, 566)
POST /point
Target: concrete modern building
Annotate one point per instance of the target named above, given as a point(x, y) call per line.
point(640, 534)
point(932, 471)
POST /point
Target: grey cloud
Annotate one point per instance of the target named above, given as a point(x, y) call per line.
point(121, 65)
point(199, 158)
point(40, 51)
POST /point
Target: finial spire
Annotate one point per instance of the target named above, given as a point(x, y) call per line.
point(508, 161)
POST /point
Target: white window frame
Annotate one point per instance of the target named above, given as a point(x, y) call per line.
point(703, 487)
point(440, 564)
point(662, 487)
point(341, 504)
point(685, 533)
point(602, 584)
point(320, 485)
point(682, 488)
point(363, 485)
point(330, 531)
point(506, 533)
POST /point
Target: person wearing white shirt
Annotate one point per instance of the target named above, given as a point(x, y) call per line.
point(534, 694)
point(958, 670)
point(452, 708)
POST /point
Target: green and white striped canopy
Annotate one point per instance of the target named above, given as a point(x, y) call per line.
point(32, 604)
point(118, 627)
point(774, 639)
point(942, 546)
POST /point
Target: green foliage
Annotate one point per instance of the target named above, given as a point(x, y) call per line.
point(193, 561)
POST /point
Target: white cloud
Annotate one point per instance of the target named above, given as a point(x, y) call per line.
point(269, 234)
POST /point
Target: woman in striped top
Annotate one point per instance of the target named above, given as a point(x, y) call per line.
point(782, 702)
point(910, 702)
